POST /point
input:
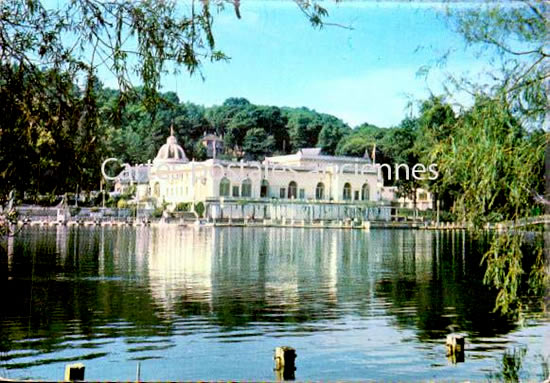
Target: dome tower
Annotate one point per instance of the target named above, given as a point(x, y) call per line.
point(171, 152)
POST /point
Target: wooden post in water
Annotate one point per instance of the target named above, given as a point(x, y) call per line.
point(455, 348)
point(138, 372)
point(74, 372)
point(284, 363)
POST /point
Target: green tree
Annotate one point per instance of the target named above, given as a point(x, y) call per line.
point(363, 139)
point(507, 169)
point(496, 165)
point(199, 152)
point(332, 132)
point(272, 120)
point(257, 144)
point(241, 122)
point(398, 144)
point(303, 127)
point(491, 157)
point(354, 145)
point(236, 101)
point(220, 116)
point(39, 149)
point(57, 127)
point(436, 123)
point(518, 33)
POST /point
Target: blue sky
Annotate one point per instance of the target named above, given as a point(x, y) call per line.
point(367, 74)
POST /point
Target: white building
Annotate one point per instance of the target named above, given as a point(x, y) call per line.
point(307, 175)
point(424, 199)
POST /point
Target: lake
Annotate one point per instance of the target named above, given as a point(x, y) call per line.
point(213, 303)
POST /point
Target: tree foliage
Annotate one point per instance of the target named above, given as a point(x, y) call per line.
point(257, 144)
point(494, 158)
point(494, 161)
point(518, 33)
point(57, 123)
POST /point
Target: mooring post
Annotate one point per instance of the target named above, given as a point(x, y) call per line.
point(285, 363)
point(455, 348)
point(74, 372)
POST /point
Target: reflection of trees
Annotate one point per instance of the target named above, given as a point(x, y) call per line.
point(55, 289)
point(510, 366)
point(446, 292)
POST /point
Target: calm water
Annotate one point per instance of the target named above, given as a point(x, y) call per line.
point(212, 304)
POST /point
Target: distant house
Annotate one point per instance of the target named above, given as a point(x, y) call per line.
point(424, 199)
point(214, 145)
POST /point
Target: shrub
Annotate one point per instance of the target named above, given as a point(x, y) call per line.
point(183, 206)
point(157, 213)
point(447, 216)
point(199, 208)
point(122, 204)
point(74, 211)
point(112, 201)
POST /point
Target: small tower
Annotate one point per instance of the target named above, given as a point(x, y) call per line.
point(171, 151)
point(214, 145)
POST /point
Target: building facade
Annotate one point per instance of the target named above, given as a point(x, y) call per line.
point(424, 199)
point(307, 175)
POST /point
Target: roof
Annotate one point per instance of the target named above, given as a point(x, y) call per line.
point(308, 152)
point(171, 152)
point(315, 154)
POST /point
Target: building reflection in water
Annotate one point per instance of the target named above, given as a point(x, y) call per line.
point(179, 264)
point(244, 275)
point(238, 276)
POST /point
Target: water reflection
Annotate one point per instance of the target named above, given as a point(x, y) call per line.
point(123, 294)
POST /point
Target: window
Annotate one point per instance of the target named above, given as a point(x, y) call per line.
point(365, 192)
point(282, 193)
point(292, 189)
point(320, 191)
point(235, 190)
point(264, 189)
point(347, 192)
point(246, 188)
point(224, 187)
point(302, 194)
point(422, 196)
point(356, 195)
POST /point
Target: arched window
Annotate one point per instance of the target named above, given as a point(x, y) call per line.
point(320, 191)
point(365, 192)
point(264, 189)
point(156, 190)
point(224, 187)
point(347, 192)
point(292, 190)
point(246, 188)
